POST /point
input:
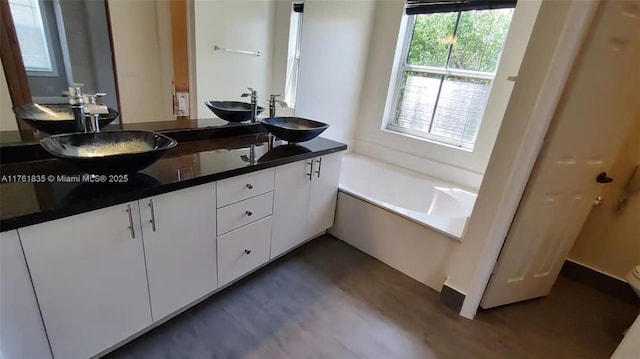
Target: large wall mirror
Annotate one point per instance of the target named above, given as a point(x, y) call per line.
point(62, 42)
point(156, 60)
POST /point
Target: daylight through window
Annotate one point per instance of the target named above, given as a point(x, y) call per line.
point(449, 63)
point(27, 19)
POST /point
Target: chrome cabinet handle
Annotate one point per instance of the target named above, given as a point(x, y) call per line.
point(153, 216)
point(249, 186)
point(247, 251)
point(249, 213)
point(310, 174)
point(319, 166)
point(133, 232)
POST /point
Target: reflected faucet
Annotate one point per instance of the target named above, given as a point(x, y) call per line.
point(93, 110)
point(272, 104)
point(77, 105)
point(254, 103)
point(86, 111)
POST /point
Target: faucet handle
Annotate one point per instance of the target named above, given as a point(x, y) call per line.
point(273, 100)
point(252, 93)
point(91, 98)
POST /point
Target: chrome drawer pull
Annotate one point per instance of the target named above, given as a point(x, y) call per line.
point(249, 213)
point(247, 251)
point(153, 216)
point(319, 166)
point(249, 186)
point(133, 232)
point(310, 174)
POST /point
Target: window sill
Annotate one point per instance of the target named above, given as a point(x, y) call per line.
point(425, 139)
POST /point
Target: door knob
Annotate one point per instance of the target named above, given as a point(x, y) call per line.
point(602, 178)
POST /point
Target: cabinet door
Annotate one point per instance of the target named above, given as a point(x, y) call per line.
point(324, 191)
point(181, 249)
point(290, 206)
point(21, 326)
point(89, 276)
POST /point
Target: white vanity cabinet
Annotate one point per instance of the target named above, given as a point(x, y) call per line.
point(89, 276)
point(19, 315)
point(107, 275)
point(179, 231)
point(245, 207)
point(304, 200)
point(324, 193)
point(290, 205)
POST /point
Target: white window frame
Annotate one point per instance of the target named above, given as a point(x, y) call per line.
point(293, 60)
point(49, 45)
point(400, 70)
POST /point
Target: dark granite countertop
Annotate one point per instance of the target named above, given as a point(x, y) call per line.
point(202, 158)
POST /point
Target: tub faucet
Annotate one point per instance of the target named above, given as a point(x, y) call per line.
point(254, 103)
point(272, 104)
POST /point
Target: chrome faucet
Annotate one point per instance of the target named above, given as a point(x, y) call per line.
point(272, 104)
point(77, 105)
point(254, 103)
point(86, 111)
point(93, 110)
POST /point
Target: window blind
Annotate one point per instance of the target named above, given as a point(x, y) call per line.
point(415, 7)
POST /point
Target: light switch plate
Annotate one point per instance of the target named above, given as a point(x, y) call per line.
point(181, 104)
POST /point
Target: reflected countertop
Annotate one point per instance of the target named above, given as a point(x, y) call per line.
point(190, 163)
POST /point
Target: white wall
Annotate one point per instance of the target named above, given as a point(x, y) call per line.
point(446, 162)
point(141, 60)
point(242, 25)
point(334, 49)
point(7, 119)
point(610, 239)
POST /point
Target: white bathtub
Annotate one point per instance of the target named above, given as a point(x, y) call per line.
point(425, 200)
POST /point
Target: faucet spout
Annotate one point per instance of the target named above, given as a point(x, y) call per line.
point(272, 104)
point(254, 103)
point(76, 101)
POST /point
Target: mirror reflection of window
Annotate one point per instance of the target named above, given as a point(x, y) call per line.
point(293, 53)
point(35, 44)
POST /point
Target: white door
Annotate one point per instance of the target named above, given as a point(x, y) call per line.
point(324, 192)
point(179, 230)
point(21, 330)
point(599, 105)
point(290, 206)
point(89, 277)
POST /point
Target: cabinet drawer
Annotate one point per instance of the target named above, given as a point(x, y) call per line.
point(243, 250)
point(249, 185)
point(244, 212)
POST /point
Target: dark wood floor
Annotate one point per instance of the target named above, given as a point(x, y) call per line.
point(329, 300)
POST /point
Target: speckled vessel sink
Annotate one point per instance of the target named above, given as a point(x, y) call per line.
point(294, 129)
point(117, 152)
point(232, 111)
point(55, 118)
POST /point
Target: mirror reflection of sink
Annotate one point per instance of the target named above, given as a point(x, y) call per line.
point(55, 118)
point(232, 111)
point(115, 152)
point(294, 129)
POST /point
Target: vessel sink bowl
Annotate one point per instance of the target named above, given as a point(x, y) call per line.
point(55, 118)
point(294, 129)
point(232, 111)
point(117, 152)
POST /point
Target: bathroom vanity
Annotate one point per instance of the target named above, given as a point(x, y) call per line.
point(87, 267)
